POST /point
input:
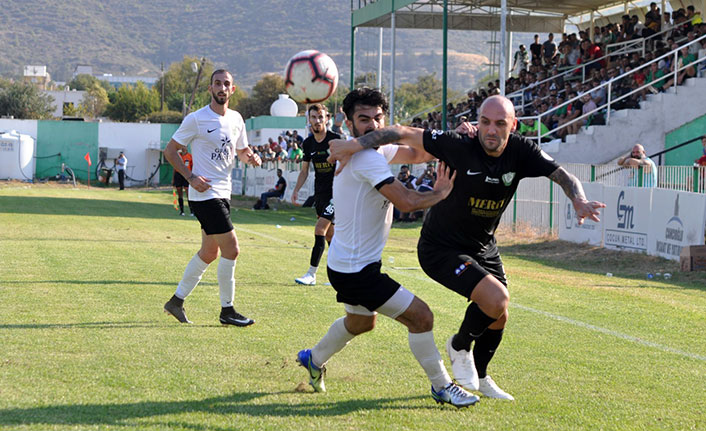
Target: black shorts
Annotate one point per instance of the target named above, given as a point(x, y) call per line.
point(179, 180)
point(324, 207)
point(369, 287)
point(458, 270)
point(213, 214)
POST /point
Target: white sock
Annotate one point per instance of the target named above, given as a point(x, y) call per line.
point(226, 281)
point(192, 275)
point(334, 341)
point(424, 349)
point(312, 270)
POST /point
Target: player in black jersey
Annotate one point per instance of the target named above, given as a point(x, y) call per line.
point(457, 246)
point(315, 149)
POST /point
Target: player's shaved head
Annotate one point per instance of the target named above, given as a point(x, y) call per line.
point(498, 102)
point(496, 122)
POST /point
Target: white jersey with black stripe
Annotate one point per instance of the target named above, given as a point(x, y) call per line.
point(363, 215)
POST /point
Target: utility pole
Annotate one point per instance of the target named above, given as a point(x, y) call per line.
point(161, 103)
point(193, 93)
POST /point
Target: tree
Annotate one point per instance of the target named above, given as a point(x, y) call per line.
point(411, 99)
point(24, 101)
point(85, 81)
point(264, 93)
point(179, 82)
point(95, 101)
point(130, 103)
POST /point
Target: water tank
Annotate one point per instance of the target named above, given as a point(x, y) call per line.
point(16, 156)
point(284, 107)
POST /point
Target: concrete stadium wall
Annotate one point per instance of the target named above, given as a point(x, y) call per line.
point(687, 154)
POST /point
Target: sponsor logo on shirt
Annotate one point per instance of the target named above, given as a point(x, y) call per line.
point(492, 180)
point(435, 133)
point(468, 172)
point(485, 207)
point(225, 152)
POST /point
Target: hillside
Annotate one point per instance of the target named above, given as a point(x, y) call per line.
point(250, 37)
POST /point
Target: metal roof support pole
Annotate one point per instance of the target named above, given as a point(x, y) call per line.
point(392, 68)
point(626, 6)
point(353, 32)
point(445, 63)
point(592, 33)
point(502, 72)
point(508, 54)
point(380, 61)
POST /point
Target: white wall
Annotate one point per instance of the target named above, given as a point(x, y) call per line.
point(61, 97)
point(138, 141)
point(27, 127)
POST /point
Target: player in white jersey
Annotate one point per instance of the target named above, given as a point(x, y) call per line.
point(216, 134)
point(362, 194)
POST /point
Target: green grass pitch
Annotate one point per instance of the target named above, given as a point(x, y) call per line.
point(84, 343)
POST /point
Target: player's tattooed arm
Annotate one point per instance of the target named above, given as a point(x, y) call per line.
point(570, 184)
point(574, 191)
point(379, 137)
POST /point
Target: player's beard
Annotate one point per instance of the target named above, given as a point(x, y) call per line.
point(221, 100)
point(317, 128)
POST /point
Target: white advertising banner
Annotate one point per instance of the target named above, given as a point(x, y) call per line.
point(626, 218)
point(677, 219)
point(590, 232)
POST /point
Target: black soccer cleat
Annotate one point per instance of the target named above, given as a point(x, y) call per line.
point(176, 310)
point(234, 318)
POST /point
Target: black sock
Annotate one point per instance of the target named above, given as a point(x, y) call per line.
point(176, 300)
point(484, 349)
point(181, 204)
point(227, 311)
point(318, 250)
point(472, 327)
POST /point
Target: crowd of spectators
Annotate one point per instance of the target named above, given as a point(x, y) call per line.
point(534, 93)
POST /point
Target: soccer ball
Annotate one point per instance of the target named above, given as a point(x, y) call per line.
point(310, 77)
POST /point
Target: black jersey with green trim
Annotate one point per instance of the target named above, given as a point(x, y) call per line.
point(316, 153)
point(483, 189)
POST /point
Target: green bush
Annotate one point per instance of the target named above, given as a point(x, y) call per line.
point(164, 117)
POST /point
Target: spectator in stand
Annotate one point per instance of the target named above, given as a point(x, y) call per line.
point(296, 154)
point(684, 71)
point(297, 138)
point(694, 47)
point(655, 77)
point(549, 50)
point(536, 50)
point(338, 121)
point(637, 26)
point(268, 153)
point(653, 21)
point(636, 159)
point(520, 61)
point(280, 154)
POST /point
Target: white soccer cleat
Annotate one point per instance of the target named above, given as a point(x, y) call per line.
point(463, 367)
point(307, 279)
point(488, 388)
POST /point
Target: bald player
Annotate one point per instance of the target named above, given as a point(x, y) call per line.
point(457, 247)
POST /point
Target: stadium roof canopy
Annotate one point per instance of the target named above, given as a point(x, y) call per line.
point(483, 15)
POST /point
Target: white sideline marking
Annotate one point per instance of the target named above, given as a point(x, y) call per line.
point(583, 324)
point(264, 235)
point(610, 332)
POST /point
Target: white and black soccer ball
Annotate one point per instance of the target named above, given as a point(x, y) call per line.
point(310, 77)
